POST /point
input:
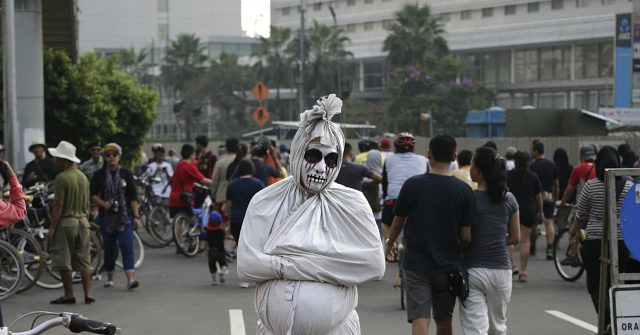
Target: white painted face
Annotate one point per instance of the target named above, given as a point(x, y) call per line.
point(319, 162)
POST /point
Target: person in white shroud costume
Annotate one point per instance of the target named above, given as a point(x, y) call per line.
point(306, 241)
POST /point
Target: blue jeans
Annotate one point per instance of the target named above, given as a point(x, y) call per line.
point(124, 239)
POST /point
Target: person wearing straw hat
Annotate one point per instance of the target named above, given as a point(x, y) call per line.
point(41, 169)
point(68, 235)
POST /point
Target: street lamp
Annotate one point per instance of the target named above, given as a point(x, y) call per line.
point(303, 9)
point(335, 29)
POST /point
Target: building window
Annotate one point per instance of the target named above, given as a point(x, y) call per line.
point(526, 65)
point(557, 4)
point(317, 6)
point(373, 75)
point(163, 6)
point(489, 68)
point(582, 3)
point(465, 15)
point(510, 10)
point(368, 26)
point(445, 17)
point(163, 32)
point(286, 11)
point(351, 2)
point(368, 1)
point(387, 24)
point(351, 28)
point(555, 63)
point(487, 12)
point(594, 60)
point(533, 7)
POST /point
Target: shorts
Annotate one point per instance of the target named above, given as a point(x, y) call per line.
point(70, 250)
point(427, 292)
point(548, 208)
point(387, 212)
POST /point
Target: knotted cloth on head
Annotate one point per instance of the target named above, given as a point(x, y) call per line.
point(315, 124)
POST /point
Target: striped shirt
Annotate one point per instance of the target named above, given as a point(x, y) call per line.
point(591, 207)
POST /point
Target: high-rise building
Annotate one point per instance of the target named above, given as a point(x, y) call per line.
point(550, 54)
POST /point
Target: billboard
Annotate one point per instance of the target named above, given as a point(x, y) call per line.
point(623, 59)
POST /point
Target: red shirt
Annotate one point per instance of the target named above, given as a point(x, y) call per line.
point(585, 171)
point(16, 210)
point(184, 176)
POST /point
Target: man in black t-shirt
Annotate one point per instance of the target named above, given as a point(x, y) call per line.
point(351, 175)
point(547, 171)
point(436, 211)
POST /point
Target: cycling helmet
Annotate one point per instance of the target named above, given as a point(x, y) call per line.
point(404, 142)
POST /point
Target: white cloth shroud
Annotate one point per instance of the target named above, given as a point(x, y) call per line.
point(307, 253)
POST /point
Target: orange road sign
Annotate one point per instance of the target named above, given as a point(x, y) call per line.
point(260, 115)
point(260, 91)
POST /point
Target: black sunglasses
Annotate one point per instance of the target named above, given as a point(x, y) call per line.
point(111, 154)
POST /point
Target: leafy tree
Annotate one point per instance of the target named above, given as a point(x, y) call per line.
point(425, 78)
point(223, 86)
point(94, 100)
point(273, 67)
point(184, 63)
point(134, 63)
point(327, 57)
point(413, 33)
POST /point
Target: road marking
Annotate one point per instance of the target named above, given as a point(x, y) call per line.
point(237, 322)
point(573, 320)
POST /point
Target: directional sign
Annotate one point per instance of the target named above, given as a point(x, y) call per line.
point(260, 91)
point(625, 313)
point(260, 115)
point(630, 220)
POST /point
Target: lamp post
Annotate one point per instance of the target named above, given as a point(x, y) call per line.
point(335, 30)
point(303, 9)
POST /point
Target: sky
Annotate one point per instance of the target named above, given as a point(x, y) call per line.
point(256, 16)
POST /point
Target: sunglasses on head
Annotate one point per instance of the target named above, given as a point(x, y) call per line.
point(313, 156)
point(111, 154)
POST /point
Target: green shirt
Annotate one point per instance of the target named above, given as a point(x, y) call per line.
point(72, 190)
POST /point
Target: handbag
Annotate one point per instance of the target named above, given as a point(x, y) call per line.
point(459, 284)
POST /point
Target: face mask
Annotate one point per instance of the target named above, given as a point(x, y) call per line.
point(320, 162)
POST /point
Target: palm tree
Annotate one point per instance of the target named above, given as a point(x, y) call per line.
point(327, 58)
point(273, 66)
point(414, 33)
point(133, 63)
point(185, 61)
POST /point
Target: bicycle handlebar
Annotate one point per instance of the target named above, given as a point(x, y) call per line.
point(75, 322)
point(79, 324)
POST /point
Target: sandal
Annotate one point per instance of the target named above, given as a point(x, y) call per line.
point(63, 301)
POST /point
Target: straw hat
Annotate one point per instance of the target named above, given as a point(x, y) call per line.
point(65, 150)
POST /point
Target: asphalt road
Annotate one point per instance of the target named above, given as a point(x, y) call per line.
point(175, 297)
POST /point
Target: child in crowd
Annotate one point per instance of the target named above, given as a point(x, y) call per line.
point(214, 237)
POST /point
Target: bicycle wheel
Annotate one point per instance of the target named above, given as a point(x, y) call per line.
point(186, 235)
point(138, 252)
point(11, 270)
point(562, 250)
point(32, 256)
point(160, 225)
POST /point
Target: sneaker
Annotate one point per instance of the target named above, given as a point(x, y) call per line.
point(133, 284)
point(108, 283)
point(549, 252)
point(572, 260)
point(244, 285)
point(215, 282)
point(522, 277)
point(515, 269)
point(222, 276)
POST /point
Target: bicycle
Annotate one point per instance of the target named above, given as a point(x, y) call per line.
point(566, 258)
point(188, 229)
point(11, 270)
point(154, 213)
point(75, 322)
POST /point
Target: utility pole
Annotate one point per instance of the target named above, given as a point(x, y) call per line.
point(335, 29)
point(11, 101)
point(303, 9)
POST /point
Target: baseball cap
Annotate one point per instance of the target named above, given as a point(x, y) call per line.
point(588, 152)
point(385, 143)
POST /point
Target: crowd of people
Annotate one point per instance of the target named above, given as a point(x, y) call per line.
point(455, 210)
